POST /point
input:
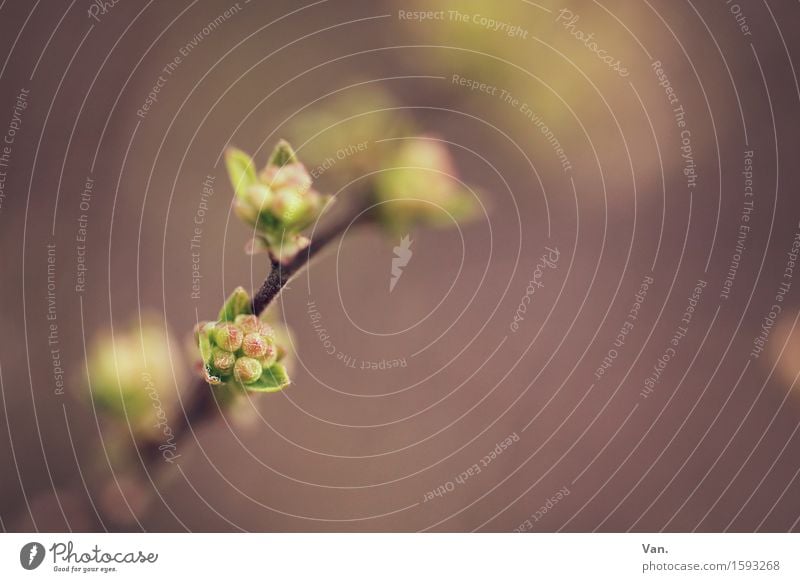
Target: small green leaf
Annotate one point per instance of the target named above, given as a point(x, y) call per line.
point(273, 379)
point(282, 154)
point(241, 170)
point(237, 304)
point(205, 346)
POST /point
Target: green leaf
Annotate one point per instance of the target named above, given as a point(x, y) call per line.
point(282, 154)
point(237, 304)
point(241, 170)
point(273, 379)
point(205, 346)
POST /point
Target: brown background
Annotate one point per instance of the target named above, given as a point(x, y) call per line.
point(346, 449)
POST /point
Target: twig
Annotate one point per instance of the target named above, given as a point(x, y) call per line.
point(280, 273)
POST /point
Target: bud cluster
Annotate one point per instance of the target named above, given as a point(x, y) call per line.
point(279, 202)
point(241, 349)
point(135, 373)
point(420, 186)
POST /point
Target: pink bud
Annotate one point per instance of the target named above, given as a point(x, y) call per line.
point(247, 370)
point(228, 337)
point(254, 345)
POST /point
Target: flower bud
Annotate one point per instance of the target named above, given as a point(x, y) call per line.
point(247, 370)
point(222, 360)
point(265, 329)
point(291, 176)
point(290, 207)
point(228, 337)
point(254, 345)
point(259, 198)
point(279, 202)
point(270, 355)
point(248, 323)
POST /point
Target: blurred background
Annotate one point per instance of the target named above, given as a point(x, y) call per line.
point(610, 344)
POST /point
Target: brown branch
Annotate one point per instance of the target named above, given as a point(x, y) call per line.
point(280, 273)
